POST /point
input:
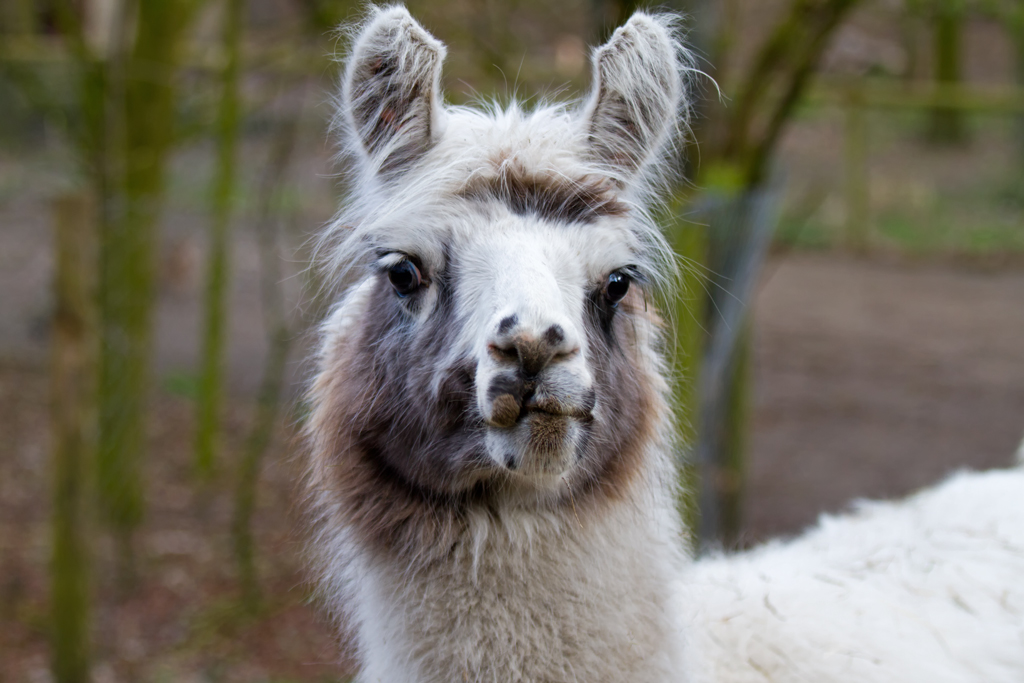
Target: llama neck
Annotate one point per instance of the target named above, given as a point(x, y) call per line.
point(525, 595)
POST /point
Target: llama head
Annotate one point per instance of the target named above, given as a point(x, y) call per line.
point(494, 336)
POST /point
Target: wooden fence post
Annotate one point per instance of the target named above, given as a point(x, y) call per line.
point(73, 385)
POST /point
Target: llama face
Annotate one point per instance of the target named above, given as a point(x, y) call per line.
point(499, 339)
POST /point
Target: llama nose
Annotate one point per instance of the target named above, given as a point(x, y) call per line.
point(532, 348)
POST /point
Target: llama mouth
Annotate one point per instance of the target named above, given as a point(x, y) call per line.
point(549, 434)
point(542, 444)
point(560, 412)
point(508, 413)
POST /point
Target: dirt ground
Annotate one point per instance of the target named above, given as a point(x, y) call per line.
point(872, 379)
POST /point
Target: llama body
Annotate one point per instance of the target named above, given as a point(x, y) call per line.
point(927, 589)
point(491, 472)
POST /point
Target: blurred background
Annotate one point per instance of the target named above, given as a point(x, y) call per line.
point(850, 320)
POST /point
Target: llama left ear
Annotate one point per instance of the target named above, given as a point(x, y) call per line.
point(635, 96)
point(391, 91)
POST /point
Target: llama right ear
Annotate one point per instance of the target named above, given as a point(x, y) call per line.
point(391, 92)
point(636, 94)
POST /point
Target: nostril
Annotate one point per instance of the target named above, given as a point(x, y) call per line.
point(554, 335)
point(507, 323)
point(504, 353)
point(566, 355)
point(530, 351)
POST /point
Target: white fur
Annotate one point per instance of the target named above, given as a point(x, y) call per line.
point(930, 589)
point(583, 604)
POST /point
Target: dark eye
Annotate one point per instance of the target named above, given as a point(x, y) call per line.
point(405, 277)
point(616, 287)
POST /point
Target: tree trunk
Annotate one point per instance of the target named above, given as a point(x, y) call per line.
point(18, 17)
point(279, 336)
point(127, 257)
point(73, 396)
point(264, 422)
point(609, 15)
point(736, 145)
point(211, 380)
point(687, 312)
point(1016, 23)
point(735, 440)
point(947, 124)
point(770, 91)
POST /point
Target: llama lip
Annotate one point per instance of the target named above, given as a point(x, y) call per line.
point(551, 409)
point(507, 410)
point(546, 405)
point(561, 411)
point(537, 437)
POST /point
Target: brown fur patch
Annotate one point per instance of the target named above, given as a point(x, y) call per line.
point(505, 410)
point(548, 432)
point(547, 195)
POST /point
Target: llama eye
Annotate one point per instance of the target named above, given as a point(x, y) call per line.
point(405, 277)
point(616, 287)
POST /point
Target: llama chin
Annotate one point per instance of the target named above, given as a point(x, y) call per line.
point(491, 477)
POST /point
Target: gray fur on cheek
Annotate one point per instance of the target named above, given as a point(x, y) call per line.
point(428, 436)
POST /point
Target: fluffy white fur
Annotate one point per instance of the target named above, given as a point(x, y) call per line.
point(928, 589)
point(536, 589)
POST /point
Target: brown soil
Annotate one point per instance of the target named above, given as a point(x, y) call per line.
point(875, 379)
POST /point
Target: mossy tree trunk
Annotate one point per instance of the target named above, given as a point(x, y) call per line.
point(279, 336)
point(147, 98)
point(1015, 25)
point(946, 124)
point(211, 379)
point(742, 144)
point(610, 14)
point(687, 313)
point(18, 17)
point(735, 439)
point(737, 138)
point(73, 399)
point(737, 142)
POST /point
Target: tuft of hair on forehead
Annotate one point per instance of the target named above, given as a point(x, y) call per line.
point(547, 196)
point(407, 155)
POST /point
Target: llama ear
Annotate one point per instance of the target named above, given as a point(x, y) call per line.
point(636, 93)
point(391, 91)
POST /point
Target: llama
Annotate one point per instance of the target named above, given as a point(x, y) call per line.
point(491, 474)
